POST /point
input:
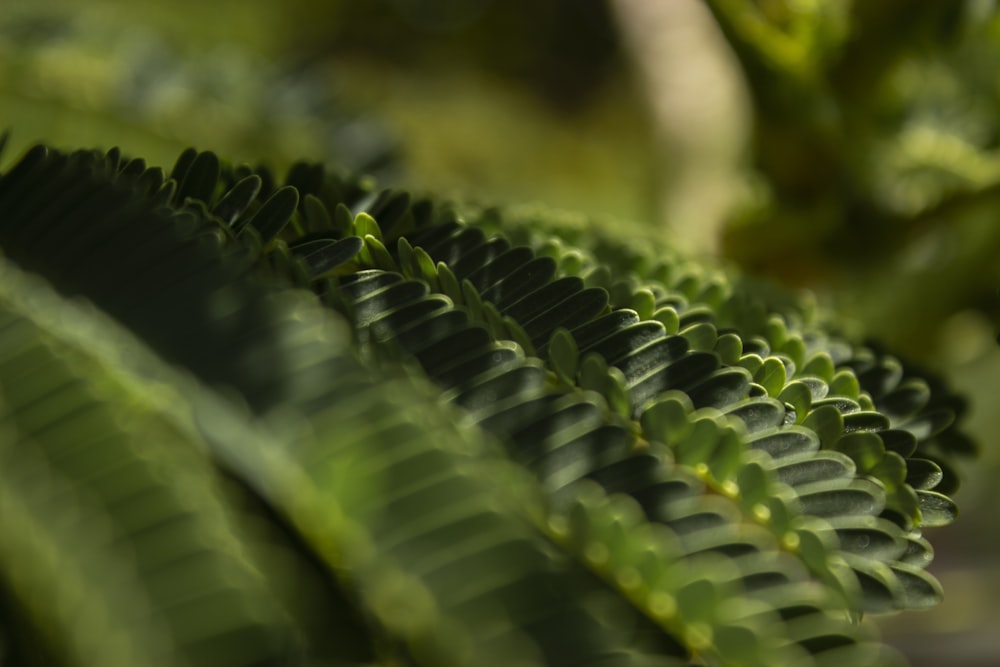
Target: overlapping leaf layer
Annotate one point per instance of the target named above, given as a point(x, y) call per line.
point(404, 432)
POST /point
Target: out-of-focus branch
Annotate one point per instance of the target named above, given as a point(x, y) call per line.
point(700, 107)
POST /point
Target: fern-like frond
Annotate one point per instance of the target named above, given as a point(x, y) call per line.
point(116, 518)
point(648, 361)
point(501, 440)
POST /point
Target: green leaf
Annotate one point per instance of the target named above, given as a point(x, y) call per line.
point(828, 424)
point(843, 404)
point(701, 336)
point(164, 194)
point(428, 271)
point(930, 423)
point(714, 293)
point(778, 513)
point(821, 365)
point(872, 537)
point(617, 394)
point(407, 264)
point(811, 547)
point(201, 179)
point(923, 474)
point(776, 332)
point(598, 276)
point(275, 213)
point(865, 421)
point(517, 334)
point(753, 483)
point(643, 302)
point(865, 449)
point(752, 363)
point(316, 215)
point(183, 164)
point(343, 220)
point(890, 469)
point(881, 590)
point(911, 396)
point(919, 551)
point(797, 398)
point(920, 589)
point(564, 356)
point(380, 256)
point(593, 372)
point(150, 181)
point(364, 225)
point(721, 388)
point(936, 509)
point(473, 303)
point(667, 419)
point(571, 263)
point(236, 200)
point(845, 383)
point(771, 376)
point(725, 462)
point(899, 441)
point(758, 414)
point(324, 256)
point(903, 507)
point(669, 318)
point(830, 498)
point(699, 445)
point(697, 602)
point(729, 347)
point(795, 348)
point(494, 321)
point(786, 441)
point(818, 466)
point(450, 286)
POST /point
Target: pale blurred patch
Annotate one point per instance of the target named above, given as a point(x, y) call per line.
point(701, 110)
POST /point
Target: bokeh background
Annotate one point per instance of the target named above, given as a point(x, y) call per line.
point(851, 148)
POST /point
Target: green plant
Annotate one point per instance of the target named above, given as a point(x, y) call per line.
point(873, 121)
point(244, 423)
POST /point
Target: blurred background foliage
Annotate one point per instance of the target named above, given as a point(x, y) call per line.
point(852, 148)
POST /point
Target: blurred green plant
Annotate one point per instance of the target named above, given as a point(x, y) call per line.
point(70, 77)
point(876, 134)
